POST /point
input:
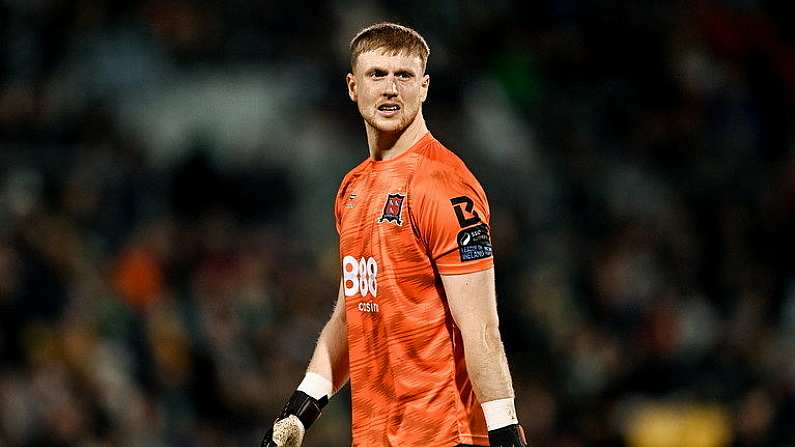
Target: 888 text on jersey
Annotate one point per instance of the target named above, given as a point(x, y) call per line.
point(360, 277)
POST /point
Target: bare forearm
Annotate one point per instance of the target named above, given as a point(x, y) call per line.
point(473, 303)
point(487, 364)
point(330, 358)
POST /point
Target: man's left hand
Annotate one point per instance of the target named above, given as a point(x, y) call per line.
point(508, 436)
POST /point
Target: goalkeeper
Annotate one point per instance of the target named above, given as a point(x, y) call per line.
point(415, 326)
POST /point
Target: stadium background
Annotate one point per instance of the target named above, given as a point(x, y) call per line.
point(167, 248)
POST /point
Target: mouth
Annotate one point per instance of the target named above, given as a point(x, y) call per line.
point(388, 110)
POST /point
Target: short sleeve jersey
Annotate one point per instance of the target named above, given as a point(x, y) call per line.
point(403, 222)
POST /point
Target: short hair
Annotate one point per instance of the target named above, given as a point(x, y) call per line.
point(393, 39)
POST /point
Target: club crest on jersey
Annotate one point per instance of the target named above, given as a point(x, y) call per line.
point(392, 209)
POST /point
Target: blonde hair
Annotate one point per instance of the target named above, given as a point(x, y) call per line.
point(392, 39)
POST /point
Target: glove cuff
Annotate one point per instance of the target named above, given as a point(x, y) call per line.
point(305, 407)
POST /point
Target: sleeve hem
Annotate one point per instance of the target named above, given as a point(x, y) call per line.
point(469, 267)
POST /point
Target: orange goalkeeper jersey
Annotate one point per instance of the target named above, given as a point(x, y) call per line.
point(403, 222)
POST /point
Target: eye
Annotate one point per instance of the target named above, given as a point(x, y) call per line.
point(376, 74)
point(404, 75)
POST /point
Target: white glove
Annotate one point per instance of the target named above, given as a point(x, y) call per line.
point(289, 432)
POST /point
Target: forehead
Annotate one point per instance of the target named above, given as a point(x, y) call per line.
point(387, 60)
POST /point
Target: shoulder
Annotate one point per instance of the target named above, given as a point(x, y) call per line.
point(351, 176)
point(440, 168)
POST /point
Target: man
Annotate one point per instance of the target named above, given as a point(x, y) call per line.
point(415, 326)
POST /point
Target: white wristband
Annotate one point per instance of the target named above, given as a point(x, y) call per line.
point(499, 413)
point(316, 386)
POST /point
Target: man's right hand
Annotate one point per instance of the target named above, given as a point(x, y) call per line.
point(298, 414)
point(287, 432)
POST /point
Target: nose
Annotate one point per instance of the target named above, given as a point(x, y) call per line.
point(391, 88)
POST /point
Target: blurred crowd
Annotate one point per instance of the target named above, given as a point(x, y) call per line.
point(167, 247)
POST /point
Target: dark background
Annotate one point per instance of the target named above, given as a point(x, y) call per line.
point(167, 247)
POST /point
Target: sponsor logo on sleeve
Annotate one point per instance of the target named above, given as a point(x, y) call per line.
point(474, 243)
point(465, 211)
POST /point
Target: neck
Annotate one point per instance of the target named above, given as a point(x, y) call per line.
point(388, 145)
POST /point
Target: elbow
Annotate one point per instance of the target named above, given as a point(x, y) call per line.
point(492, 338)
point(483, 337)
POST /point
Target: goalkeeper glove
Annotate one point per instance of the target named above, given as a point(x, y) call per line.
point(296, 417)
point(508, 436)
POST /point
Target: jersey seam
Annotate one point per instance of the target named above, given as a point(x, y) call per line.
point(476, 267)
point(410, 204)
point(454, 389)
point(417, 237)
point(342, 191)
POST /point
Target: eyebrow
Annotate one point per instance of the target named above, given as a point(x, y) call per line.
point(401, 70)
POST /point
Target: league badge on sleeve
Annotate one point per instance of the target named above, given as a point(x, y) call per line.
point(474, 243)
point(392, 209)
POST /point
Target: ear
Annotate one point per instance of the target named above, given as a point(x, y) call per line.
point(350, 80)
point(426, 81)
